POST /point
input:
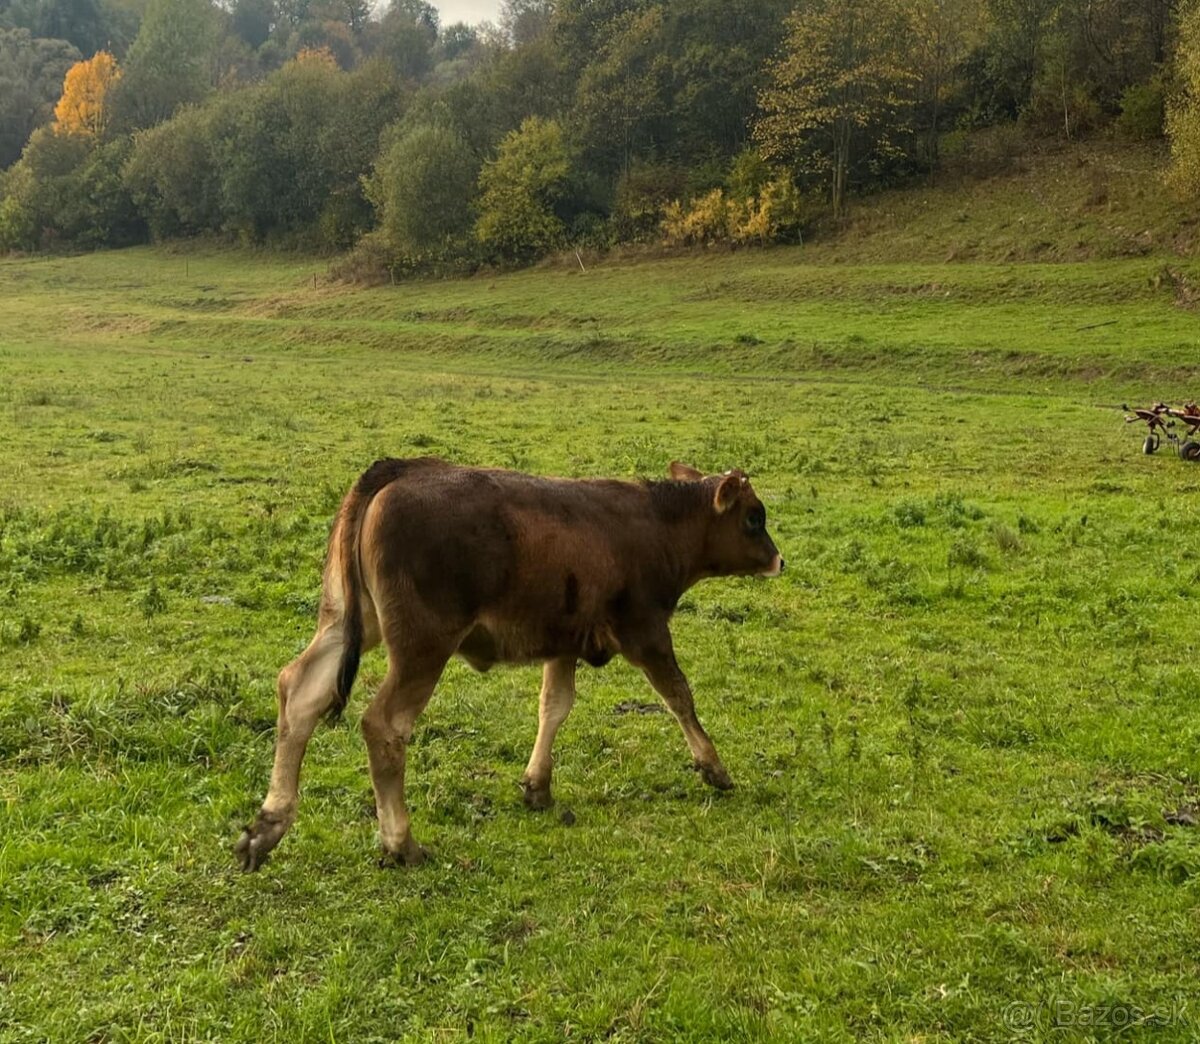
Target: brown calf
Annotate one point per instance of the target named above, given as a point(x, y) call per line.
point(434, 559)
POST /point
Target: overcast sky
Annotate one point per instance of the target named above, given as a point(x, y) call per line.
point(472, 11)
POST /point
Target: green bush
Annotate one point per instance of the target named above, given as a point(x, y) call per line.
point(174, 170)
point(642, 195)
point(38, 188)
point(282, 158)
point(519, 190)
point(18, 227)
point(343, 218)
point(1062, 112)
point(422, 187)
point(748, 173)
point(1143, 111)
point(99, 210)
point(67, 191)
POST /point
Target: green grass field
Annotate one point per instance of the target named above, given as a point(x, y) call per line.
point(964, 725)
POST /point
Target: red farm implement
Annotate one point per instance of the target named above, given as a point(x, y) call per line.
point(1162, 421)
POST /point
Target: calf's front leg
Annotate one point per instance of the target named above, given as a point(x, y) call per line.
point(661, 668)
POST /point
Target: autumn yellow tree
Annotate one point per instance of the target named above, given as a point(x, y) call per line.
point(1183, 114)
point(317, 56)
point(83, 107)
point(841, 92)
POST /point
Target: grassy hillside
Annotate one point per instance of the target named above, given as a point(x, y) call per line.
point(963, 726)
point(1048, 202)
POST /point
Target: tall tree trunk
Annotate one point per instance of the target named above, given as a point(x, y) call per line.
point(933, 125)
point(1066, 110)
point(841, 164)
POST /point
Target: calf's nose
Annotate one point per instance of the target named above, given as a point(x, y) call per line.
point(776, 566)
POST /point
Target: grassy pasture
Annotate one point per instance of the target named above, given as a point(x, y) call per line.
point(963, 725)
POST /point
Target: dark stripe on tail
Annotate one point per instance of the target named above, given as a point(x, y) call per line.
point(349, 526)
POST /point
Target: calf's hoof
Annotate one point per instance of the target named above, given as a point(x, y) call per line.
point(408, 854)
point(535, 797)
point(715, 776)
point(257, 840)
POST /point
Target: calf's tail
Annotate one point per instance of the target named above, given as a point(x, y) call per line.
point(345, 541)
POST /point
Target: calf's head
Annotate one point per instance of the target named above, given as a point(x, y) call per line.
point(736, 541)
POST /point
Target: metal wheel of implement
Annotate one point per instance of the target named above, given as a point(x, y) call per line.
point(1151, 444)
point(1190, 450)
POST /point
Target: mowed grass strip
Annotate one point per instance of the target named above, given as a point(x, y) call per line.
point(963, 725)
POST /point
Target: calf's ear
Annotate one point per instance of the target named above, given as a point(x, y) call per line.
point(683, 473)
point(728, 490)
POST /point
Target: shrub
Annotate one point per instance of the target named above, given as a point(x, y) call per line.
point(421, 188)
point(67, 190)
point(748, 174)
point(705, 220)
point(1143, 109)
point(519, 189)
point(776, 215)
point(985, 153)
point(342, 219)
point(1056, 110)
point(174, 170)
point(99, 209)
point(18, 227)
point(37, 187)
point(282, 157)
point(591, 231)
point(369, 263)
point(643, 194)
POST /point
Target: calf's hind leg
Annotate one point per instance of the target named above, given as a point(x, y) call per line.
point(307, 690)
point(558, 696)
point(387, 727)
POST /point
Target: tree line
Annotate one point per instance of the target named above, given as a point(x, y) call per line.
point(328, 123)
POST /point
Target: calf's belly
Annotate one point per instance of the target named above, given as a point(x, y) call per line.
point(492, 642)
